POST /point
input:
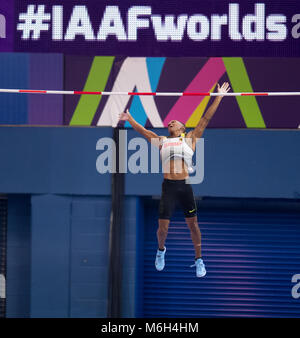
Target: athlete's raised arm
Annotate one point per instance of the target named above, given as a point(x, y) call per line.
point(199, 129)
point(150, 135)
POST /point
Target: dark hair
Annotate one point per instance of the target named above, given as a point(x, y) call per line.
point(183, 125)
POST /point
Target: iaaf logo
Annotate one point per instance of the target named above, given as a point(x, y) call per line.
point(138, 156)
point(257, 26)
point(2, 26)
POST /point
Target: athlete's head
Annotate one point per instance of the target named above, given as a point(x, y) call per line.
point(175, 128)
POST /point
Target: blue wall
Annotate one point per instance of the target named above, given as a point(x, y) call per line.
point(69, 264)
point(57, 256)
point(14, 69)
point(31, 71)
point(18, 257)
point(90, 222)
point(50, 256)
point(131, 245)
point(52, 160)
point(58, 233)
point(238, 163)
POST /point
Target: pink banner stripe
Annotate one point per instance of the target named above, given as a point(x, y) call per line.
point(203, 81)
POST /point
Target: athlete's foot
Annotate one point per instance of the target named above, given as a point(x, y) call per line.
point(160, 259)
point(200, 268)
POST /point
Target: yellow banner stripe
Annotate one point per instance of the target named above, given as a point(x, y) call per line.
point(198, 112)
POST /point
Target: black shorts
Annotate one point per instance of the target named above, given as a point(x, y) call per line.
point(177, 192)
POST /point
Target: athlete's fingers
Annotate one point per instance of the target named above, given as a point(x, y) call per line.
point(226, 87)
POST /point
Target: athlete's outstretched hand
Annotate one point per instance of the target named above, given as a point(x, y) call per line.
point(124, 116)
point(224, 88)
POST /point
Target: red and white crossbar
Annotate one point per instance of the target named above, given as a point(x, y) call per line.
point(76, 92)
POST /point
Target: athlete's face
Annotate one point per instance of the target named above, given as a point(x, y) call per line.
point(175, 127)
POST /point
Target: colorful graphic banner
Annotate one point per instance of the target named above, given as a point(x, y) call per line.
point(182, 75)
point(151, 27)
point(148, 74)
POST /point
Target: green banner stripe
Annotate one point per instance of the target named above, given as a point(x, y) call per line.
point(240, 82)
point(96, 81)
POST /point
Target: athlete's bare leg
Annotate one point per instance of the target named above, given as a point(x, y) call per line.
point(192, 223)
point(162, 232)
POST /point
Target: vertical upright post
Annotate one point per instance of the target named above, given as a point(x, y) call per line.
point(3, 254)
point(115, 237)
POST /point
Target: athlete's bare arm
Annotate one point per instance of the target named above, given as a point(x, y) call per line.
point(148, 134)
point(199, 129)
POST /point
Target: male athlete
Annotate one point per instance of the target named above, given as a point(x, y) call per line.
point(176, 153)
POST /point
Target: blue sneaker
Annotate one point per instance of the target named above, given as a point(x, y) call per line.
point(160, 259)
point(200, 268)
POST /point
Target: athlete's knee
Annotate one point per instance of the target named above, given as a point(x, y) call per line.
point(193, 225)
point(163, 228)
point(162, 232)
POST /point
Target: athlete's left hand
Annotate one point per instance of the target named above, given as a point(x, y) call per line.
point(224, 88)
point(124, 116)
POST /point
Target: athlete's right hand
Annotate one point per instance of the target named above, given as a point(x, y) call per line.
point(124, 116)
